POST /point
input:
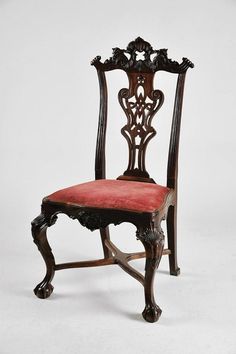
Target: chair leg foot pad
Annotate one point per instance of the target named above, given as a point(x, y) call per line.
point(152, 313)
point(43, 291)
point(175, 272)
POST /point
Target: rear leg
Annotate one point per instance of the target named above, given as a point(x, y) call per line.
point(172, 239)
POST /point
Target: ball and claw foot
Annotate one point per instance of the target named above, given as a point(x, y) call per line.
point(43, 290)
point(152, 313)
point(175, 272)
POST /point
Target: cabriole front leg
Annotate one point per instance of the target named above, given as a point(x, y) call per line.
point(39, 233)
point(153, 240)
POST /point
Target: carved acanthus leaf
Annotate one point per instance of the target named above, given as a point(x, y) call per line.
point(150, 235)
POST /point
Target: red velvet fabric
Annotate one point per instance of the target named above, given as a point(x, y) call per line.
point(114, 194)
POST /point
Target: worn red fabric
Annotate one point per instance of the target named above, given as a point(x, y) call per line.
point(114, 194)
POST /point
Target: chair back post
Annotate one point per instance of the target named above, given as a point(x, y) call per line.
point(172, 167)
point(100, 159)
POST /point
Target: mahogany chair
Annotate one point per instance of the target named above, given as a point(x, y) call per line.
point(133, 197)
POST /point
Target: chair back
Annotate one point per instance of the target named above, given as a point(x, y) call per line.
point(140, 102)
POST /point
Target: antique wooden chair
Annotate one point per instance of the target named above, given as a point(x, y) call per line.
point(133, 197)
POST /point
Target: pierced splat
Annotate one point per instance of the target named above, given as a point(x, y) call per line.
point(140, 103)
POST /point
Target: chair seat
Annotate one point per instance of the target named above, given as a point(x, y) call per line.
point(114, 194)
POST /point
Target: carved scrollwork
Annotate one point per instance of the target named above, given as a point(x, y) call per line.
point(41, 222)
point(153, 60)
point(96, 60)
point(92, 220)
point(38, 222)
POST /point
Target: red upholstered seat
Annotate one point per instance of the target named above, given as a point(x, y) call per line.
point(114, 194)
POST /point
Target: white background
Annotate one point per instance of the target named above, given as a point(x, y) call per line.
point(48, 122)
